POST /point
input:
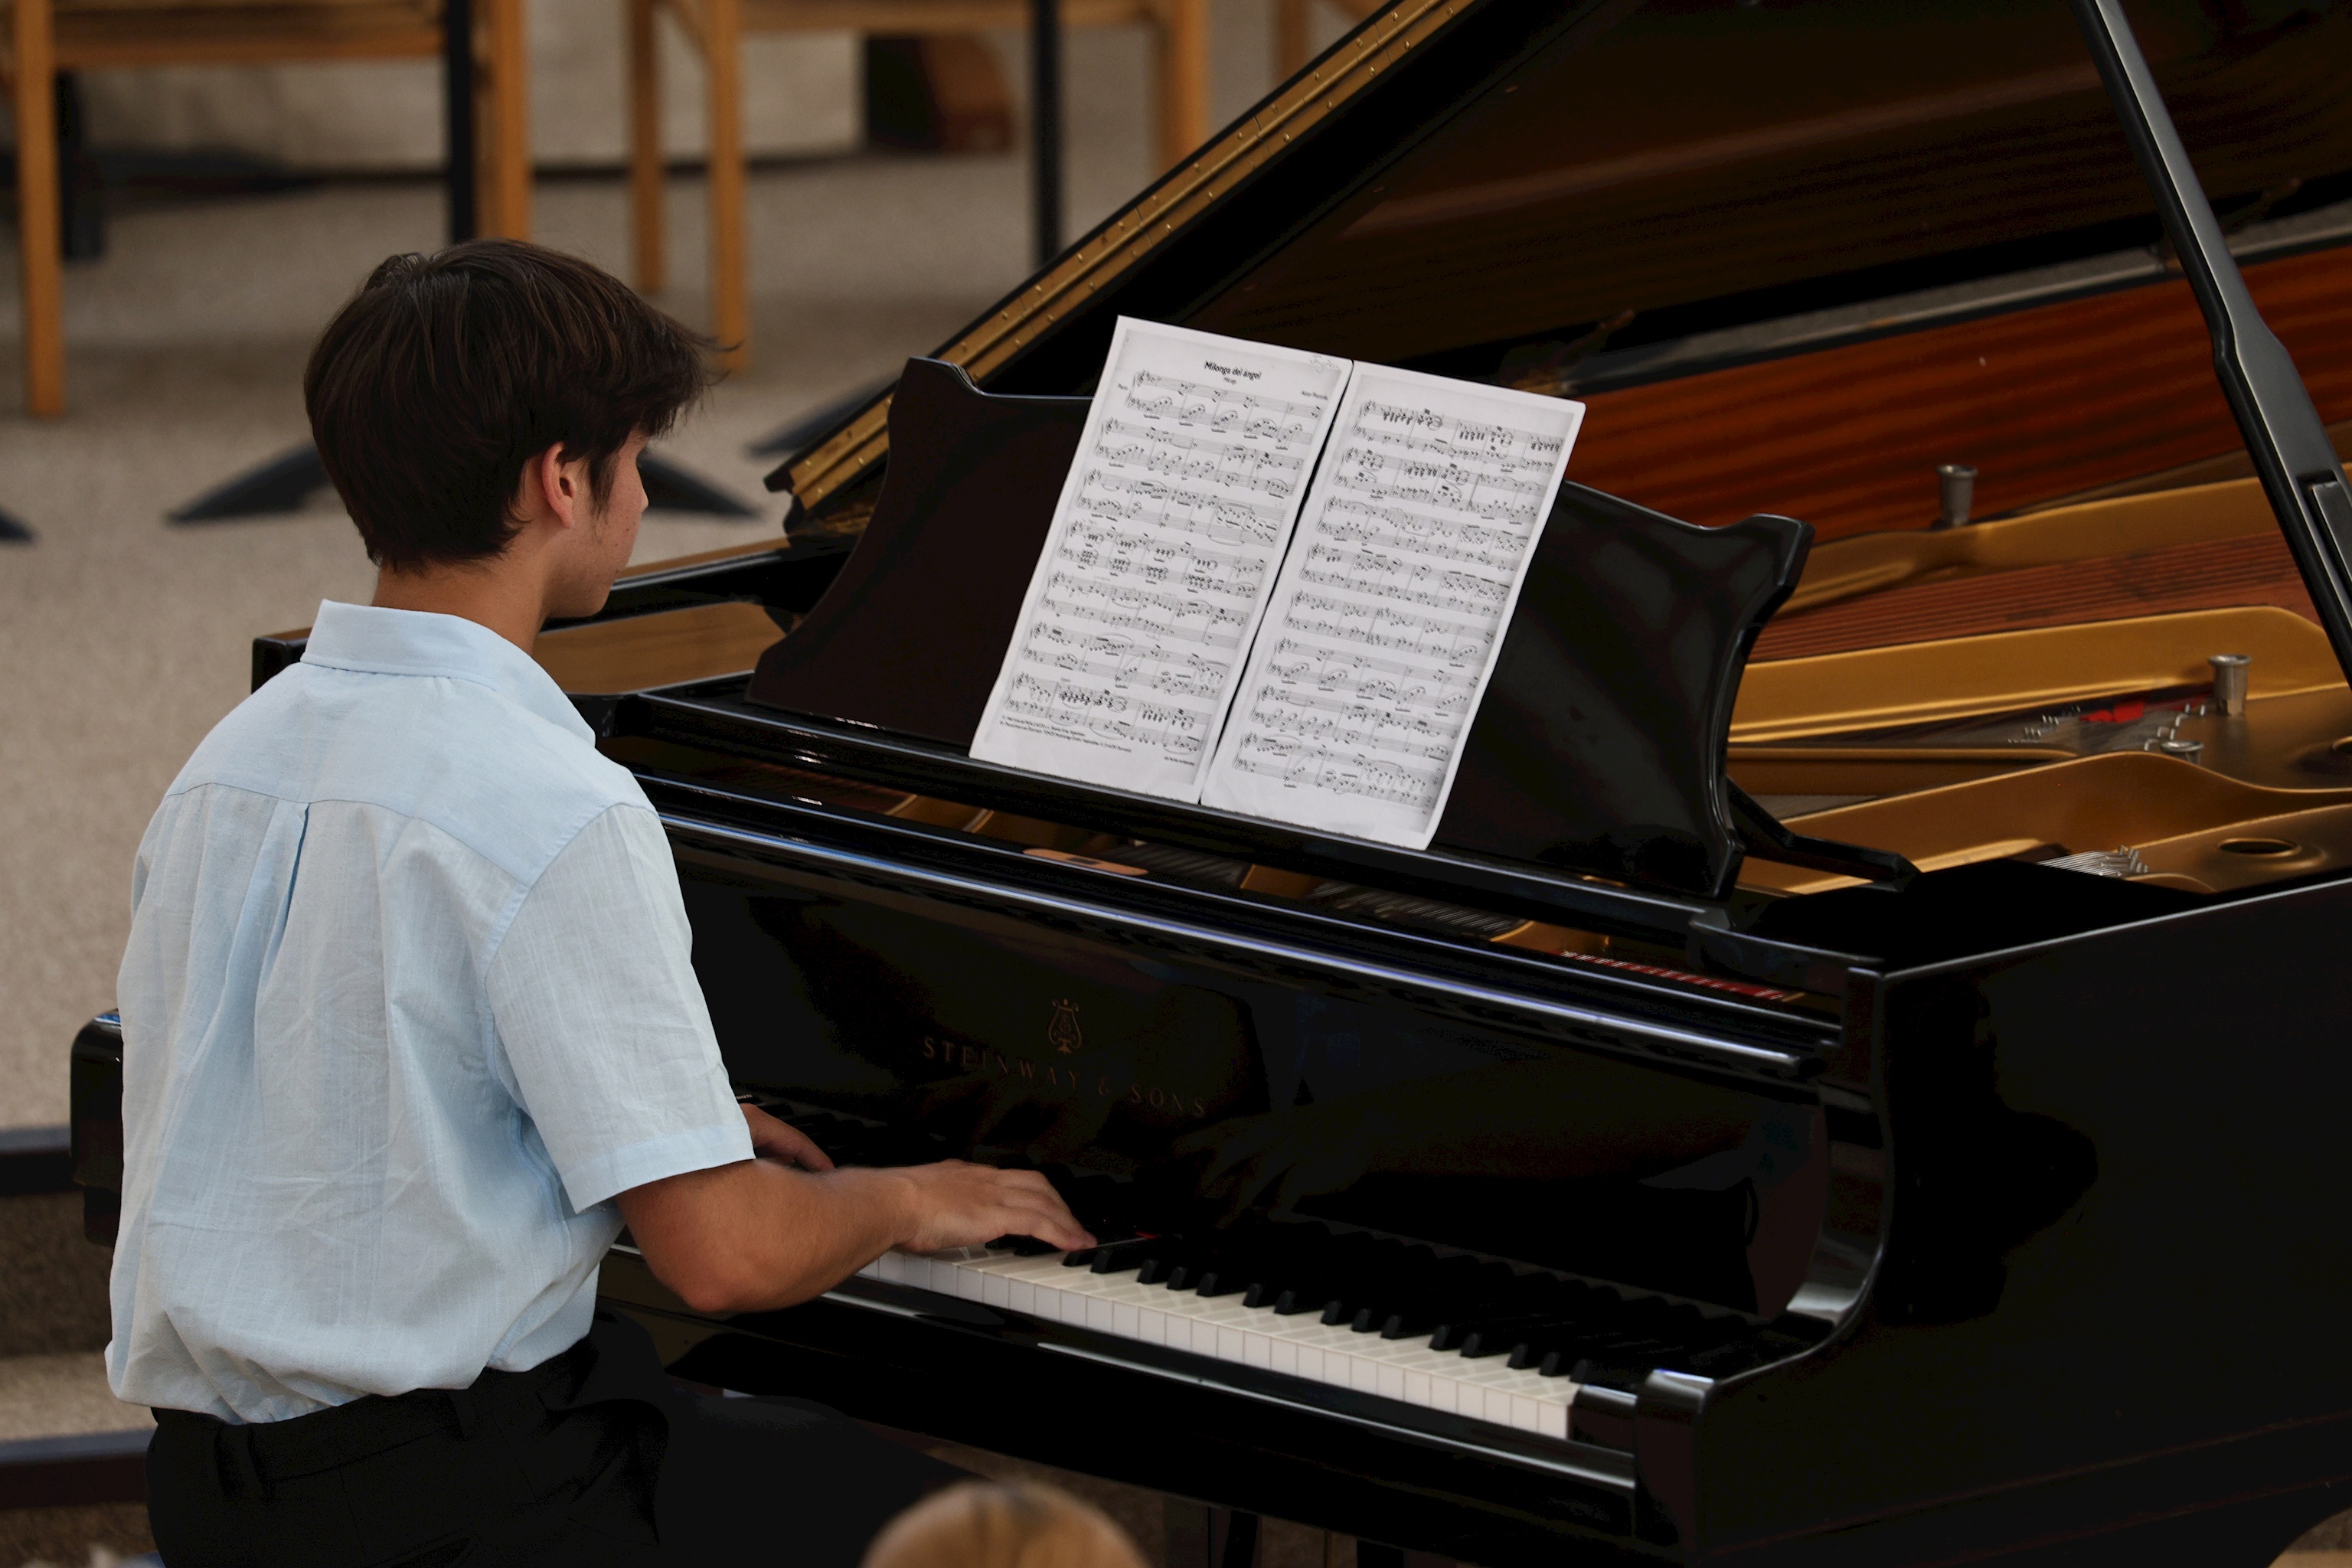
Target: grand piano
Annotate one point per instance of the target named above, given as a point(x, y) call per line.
point(1859, 1076)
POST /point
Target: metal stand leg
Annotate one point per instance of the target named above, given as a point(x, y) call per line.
point(81, 183)
point(1045, 126)
point(460, 166)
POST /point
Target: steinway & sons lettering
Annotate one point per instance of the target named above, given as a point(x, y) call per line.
point(1068, 1081)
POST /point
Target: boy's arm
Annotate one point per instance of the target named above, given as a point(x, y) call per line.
point(762, 1234)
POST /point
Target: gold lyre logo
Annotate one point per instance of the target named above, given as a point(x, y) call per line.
point(1062, 1030)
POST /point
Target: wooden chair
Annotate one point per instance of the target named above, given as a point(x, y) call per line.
point(715, 28)
point(1292, 44)
point(45, 37)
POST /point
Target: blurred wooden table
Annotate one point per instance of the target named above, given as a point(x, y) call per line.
point(45, 37)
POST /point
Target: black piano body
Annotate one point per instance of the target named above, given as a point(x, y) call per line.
point(1852, 1208)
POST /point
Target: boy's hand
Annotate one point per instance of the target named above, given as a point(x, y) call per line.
point(781, 1140)
point(957, 1204)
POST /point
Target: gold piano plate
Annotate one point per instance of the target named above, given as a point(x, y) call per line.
point(2194, 514)
point(2130, 799)
point(2003, 672)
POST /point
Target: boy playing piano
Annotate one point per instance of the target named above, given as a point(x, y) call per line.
point(410, 1027)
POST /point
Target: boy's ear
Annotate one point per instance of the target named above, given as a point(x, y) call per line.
point(553, 489)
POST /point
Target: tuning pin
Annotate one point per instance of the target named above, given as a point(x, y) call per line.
point(1957, 484)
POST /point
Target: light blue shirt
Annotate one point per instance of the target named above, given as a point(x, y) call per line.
point(407, 1001)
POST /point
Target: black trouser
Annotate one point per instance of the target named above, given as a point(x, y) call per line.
point(592, 1458)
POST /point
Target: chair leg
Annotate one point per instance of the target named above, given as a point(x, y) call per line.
point(645, 188)
point(730, 304)
point(507, 145)
point(1291, 45)
point(1184, 50)
point(37, 208)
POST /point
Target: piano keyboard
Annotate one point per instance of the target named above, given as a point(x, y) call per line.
point(1448, 1331)
point(1224, 1328)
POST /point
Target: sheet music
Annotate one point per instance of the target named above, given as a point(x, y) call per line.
point(1178, 509)
point(1391, 607)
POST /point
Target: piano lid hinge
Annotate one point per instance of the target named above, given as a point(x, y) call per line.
point(1768, 840)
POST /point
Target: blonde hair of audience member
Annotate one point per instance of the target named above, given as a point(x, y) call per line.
point(1002, 1524)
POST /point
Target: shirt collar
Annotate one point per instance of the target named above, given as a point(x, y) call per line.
point(418, 642)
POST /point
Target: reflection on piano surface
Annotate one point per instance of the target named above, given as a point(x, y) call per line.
point(1918, 1152)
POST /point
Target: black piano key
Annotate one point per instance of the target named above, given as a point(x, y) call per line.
point(1197, 1261)
point(1110, 1256)
point(1425, 1293)
point(1184, 1262)
point(1519, 1301)
point(1611, 1372)
point(1500, 1336)
point(1253, 1265)
point(1155, 1268)
point(1407, 1325)
point(1227, 1280)
point(1549, 1352)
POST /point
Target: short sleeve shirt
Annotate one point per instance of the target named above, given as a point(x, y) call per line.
point(408, 999)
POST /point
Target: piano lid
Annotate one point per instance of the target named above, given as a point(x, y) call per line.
point(1460, 179)
point(1794, 253)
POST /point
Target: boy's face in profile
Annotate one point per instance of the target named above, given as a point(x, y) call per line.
point(602, 547)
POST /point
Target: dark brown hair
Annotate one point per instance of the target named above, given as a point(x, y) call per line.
point(445, 374)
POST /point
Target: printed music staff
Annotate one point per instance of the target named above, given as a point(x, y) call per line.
point(1391, 607)
point(1164, 546)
